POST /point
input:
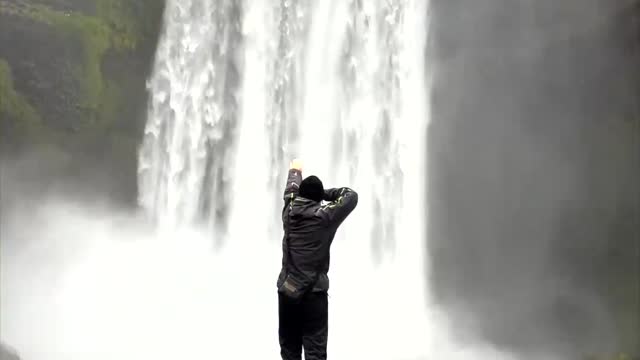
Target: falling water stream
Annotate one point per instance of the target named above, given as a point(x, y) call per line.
point(240, 89)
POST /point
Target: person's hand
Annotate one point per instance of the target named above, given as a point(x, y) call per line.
point(296, 164)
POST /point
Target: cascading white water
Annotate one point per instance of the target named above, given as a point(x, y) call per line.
point(185, 155)
point(341, 84)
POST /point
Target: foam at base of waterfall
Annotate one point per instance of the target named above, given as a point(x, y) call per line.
point(122, 291)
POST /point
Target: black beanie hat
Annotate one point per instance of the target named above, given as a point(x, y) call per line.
point(312, 189)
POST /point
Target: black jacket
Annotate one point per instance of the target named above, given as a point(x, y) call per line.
point(310, 227)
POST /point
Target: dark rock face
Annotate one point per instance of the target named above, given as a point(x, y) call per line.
point(76, 71)
point(7, 354)
point(41, 62)
point(534, 160)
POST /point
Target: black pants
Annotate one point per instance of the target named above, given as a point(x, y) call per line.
point(304, 325)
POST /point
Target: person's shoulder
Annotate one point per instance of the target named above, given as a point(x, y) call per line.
point(323, 209)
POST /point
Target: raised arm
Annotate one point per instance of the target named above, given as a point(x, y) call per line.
point(342, 201)
point(294, 178)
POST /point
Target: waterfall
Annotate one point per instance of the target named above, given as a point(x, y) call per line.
point(239, 89)
point(186, 153)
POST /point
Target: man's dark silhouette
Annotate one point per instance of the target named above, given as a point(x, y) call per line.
point(309, 228)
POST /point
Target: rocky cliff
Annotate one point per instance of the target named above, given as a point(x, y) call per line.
point(533, 153)
point(72, 88)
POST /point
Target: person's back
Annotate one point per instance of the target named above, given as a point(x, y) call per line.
point(309, 229)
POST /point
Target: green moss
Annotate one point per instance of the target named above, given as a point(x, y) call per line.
point(111, 29)
point(95, 38)
point(117, 15)
point(117, 26)
point(14, 105)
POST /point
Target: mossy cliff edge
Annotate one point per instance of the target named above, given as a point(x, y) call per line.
point(72, 78)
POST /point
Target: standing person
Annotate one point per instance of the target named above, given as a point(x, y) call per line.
point(309, 228)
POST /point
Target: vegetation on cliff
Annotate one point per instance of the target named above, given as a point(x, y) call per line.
point(14, 106)
point(114, 27)
point(73, 74)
